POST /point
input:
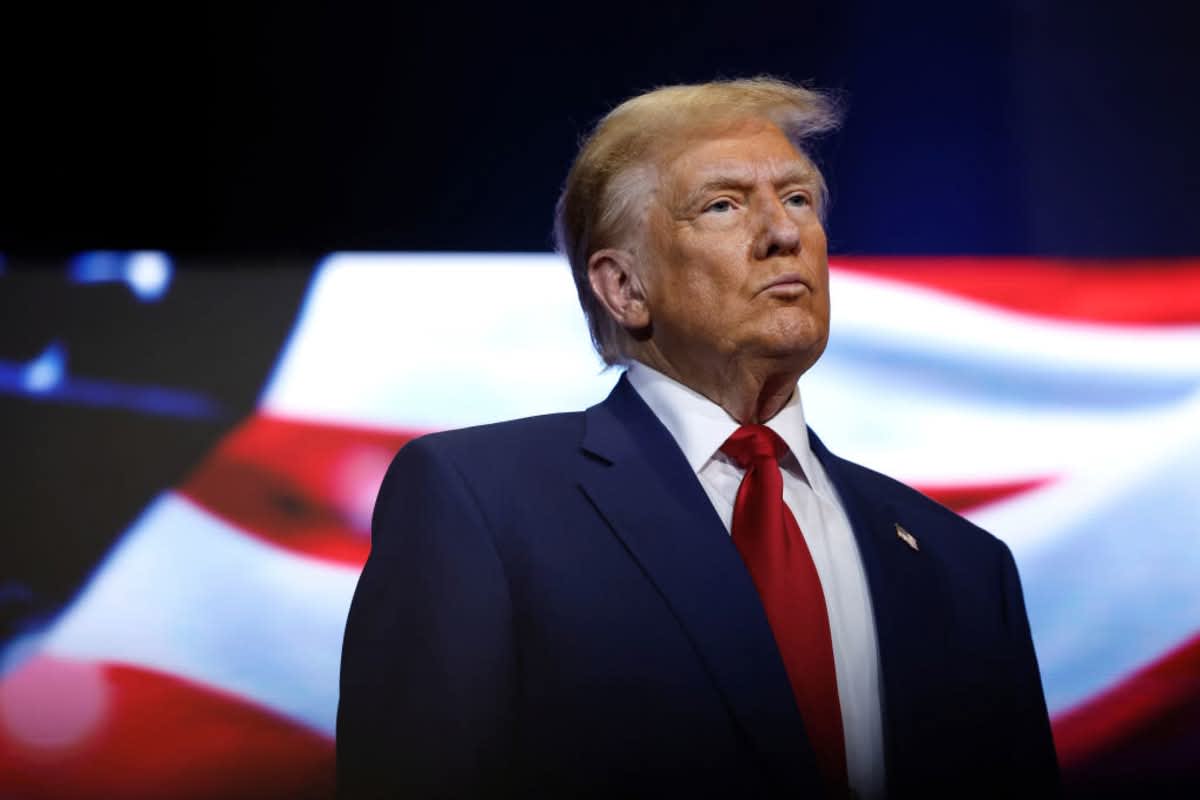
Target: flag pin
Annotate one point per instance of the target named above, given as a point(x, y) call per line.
point(906, 537)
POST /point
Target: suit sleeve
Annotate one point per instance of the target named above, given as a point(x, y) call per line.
point(427, 676)
point(1029, 738)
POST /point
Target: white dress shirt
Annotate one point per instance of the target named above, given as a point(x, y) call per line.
point(700, 427)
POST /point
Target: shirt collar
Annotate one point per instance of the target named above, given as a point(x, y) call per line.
point(700, 426)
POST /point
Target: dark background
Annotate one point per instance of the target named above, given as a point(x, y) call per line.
point(1065, 128)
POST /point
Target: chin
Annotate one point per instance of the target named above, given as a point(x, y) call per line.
point(796, 354)
point(803, 339)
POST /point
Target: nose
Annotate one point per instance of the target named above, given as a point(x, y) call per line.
point(779, 233)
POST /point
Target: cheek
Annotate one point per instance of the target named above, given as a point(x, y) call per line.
point(814, 235)
point(822, 310)
point(697, 300)
point(822, 285)
point(696, 307)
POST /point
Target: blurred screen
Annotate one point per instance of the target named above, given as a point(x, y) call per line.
point(191, 453)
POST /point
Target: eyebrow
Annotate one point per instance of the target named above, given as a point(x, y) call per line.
point(743, 179)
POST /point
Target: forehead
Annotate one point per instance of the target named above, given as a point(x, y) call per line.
point(748, 153)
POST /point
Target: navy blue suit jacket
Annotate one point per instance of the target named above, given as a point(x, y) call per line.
point(552, 607)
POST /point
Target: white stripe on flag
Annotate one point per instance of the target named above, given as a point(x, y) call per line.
point(431, 341)
point(1109, 558)
point(188, 594)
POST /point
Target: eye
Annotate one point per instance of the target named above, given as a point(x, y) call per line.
point(720, 206)
point(799, 200)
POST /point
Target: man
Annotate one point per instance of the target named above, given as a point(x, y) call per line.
point(680, 591)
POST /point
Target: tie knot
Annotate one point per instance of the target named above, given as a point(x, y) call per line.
point(753, 443)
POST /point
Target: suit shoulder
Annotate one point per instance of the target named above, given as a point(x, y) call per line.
point(501, 447)
point(547, 428)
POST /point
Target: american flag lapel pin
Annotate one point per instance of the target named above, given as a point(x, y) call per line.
point(906, 537)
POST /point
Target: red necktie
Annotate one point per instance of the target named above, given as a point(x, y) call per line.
point(769, 539)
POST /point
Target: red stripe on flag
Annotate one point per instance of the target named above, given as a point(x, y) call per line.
point(308, 487)
point(76, 730)
point(1134, 291)
point(1147, 726)
point(965, 497)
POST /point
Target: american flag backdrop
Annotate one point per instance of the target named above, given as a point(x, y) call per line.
point(1054, 402)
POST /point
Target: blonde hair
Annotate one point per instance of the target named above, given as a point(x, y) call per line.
point(610, 184)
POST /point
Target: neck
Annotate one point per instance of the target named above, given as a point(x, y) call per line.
point(751, 391)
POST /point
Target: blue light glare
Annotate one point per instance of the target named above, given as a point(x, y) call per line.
point(45, 378)
point(147, 272)
point(46, 372)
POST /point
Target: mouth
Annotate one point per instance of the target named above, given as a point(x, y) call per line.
point(787, 283)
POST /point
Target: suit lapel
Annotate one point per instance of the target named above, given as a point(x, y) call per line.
point(640, 482)
point(908, 597)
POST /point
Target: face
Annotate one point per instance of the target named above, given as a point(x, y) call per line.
point(735, 255)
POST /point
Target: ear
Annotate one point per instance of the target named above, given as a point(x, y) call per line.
point(618, 288)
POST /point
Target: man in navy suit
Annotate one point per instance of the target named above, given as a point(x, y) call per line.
point(680, 591)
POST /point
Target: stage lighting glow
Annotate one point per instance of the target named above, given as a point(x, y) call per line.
point(46, 372)
point(147, 272)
